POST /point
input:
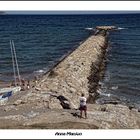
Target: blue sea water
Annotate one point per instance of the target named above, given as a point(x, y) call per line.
point(41, 40)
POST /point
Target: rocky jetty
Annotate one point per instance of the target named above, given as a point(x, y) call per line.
point(106, 27)
point(54, 101)
point(78, 73)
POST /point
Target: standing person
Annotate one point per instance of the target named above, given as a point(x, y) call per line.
point(83, 105)
point(28, 84)
point(36, 80)
point(23, 84)
point(12, 84)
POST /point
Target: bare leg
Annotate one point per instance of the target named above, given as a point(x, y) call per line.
point(85, 114)
point(81, 113)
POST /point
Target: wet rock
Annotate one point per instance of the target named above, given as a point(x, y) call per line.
point(108, 99)
point(52, 74)
point(130, 106)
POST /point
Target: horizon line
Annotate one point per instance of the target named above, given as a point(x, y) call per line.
point(66, 12)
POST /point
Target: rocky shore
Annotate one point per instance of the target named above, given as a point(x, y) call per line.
point(53, 103)
point(99, 117)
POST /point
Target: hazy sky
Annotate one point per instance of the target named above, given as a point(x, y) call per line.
point(70, 12)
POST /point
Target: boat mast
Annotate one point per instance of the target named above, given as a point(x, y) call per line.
point(13, 63)
point(16, 62)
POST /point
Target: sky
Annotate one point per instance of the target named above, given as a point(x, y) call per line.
point(69, 12)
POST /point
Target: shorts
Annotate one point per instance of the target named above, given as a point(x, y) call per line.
point(83, 108)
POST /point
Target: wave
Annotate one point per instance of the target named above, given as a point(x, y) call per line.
point(120, 28)
point(90, 29)
point(101, 92)
point(107, 76)
point(41, 71)
point(114, 87)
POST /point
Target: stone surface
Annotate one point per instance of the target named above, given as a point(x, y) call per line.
point(70, 77)
point(43, 106)
point(112, 117)
point(55, 103)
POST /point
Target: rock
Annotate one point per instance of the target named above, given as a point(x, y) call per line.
point(64, 102)
point(18, 102)
point(103, 108)
point(16, 117)
point(106, 27)
point(42, 104)
point(70, 76)
point(3, 101)
point(8, 108)
point(55, 103)
point(131, 107)
point(37, 89)
point(107, 116)
point(32, 114)
point(138, 109)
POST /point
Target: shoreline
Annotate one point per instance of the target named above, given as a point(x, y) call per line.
point(54, 100)
point(96, 67)
point(41, 74)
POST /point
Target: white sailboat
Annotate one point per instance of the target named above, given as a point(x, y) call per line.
point(8, 91)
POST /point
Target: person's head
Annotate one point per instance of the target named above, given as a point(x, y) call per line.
point(82, 95)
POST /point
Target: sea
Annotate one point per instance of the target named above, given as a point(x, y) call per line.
point(43, 40)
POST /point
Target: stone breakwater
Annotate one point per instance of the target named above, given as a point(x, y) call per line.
point(78, 73)
point(49, 105)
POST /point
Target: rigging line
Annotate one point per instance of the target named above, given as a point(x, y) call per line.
point(13, 63)
point(16, 62)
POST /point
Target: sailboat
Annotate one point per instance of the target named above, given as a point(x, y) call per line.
point(7, 92)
